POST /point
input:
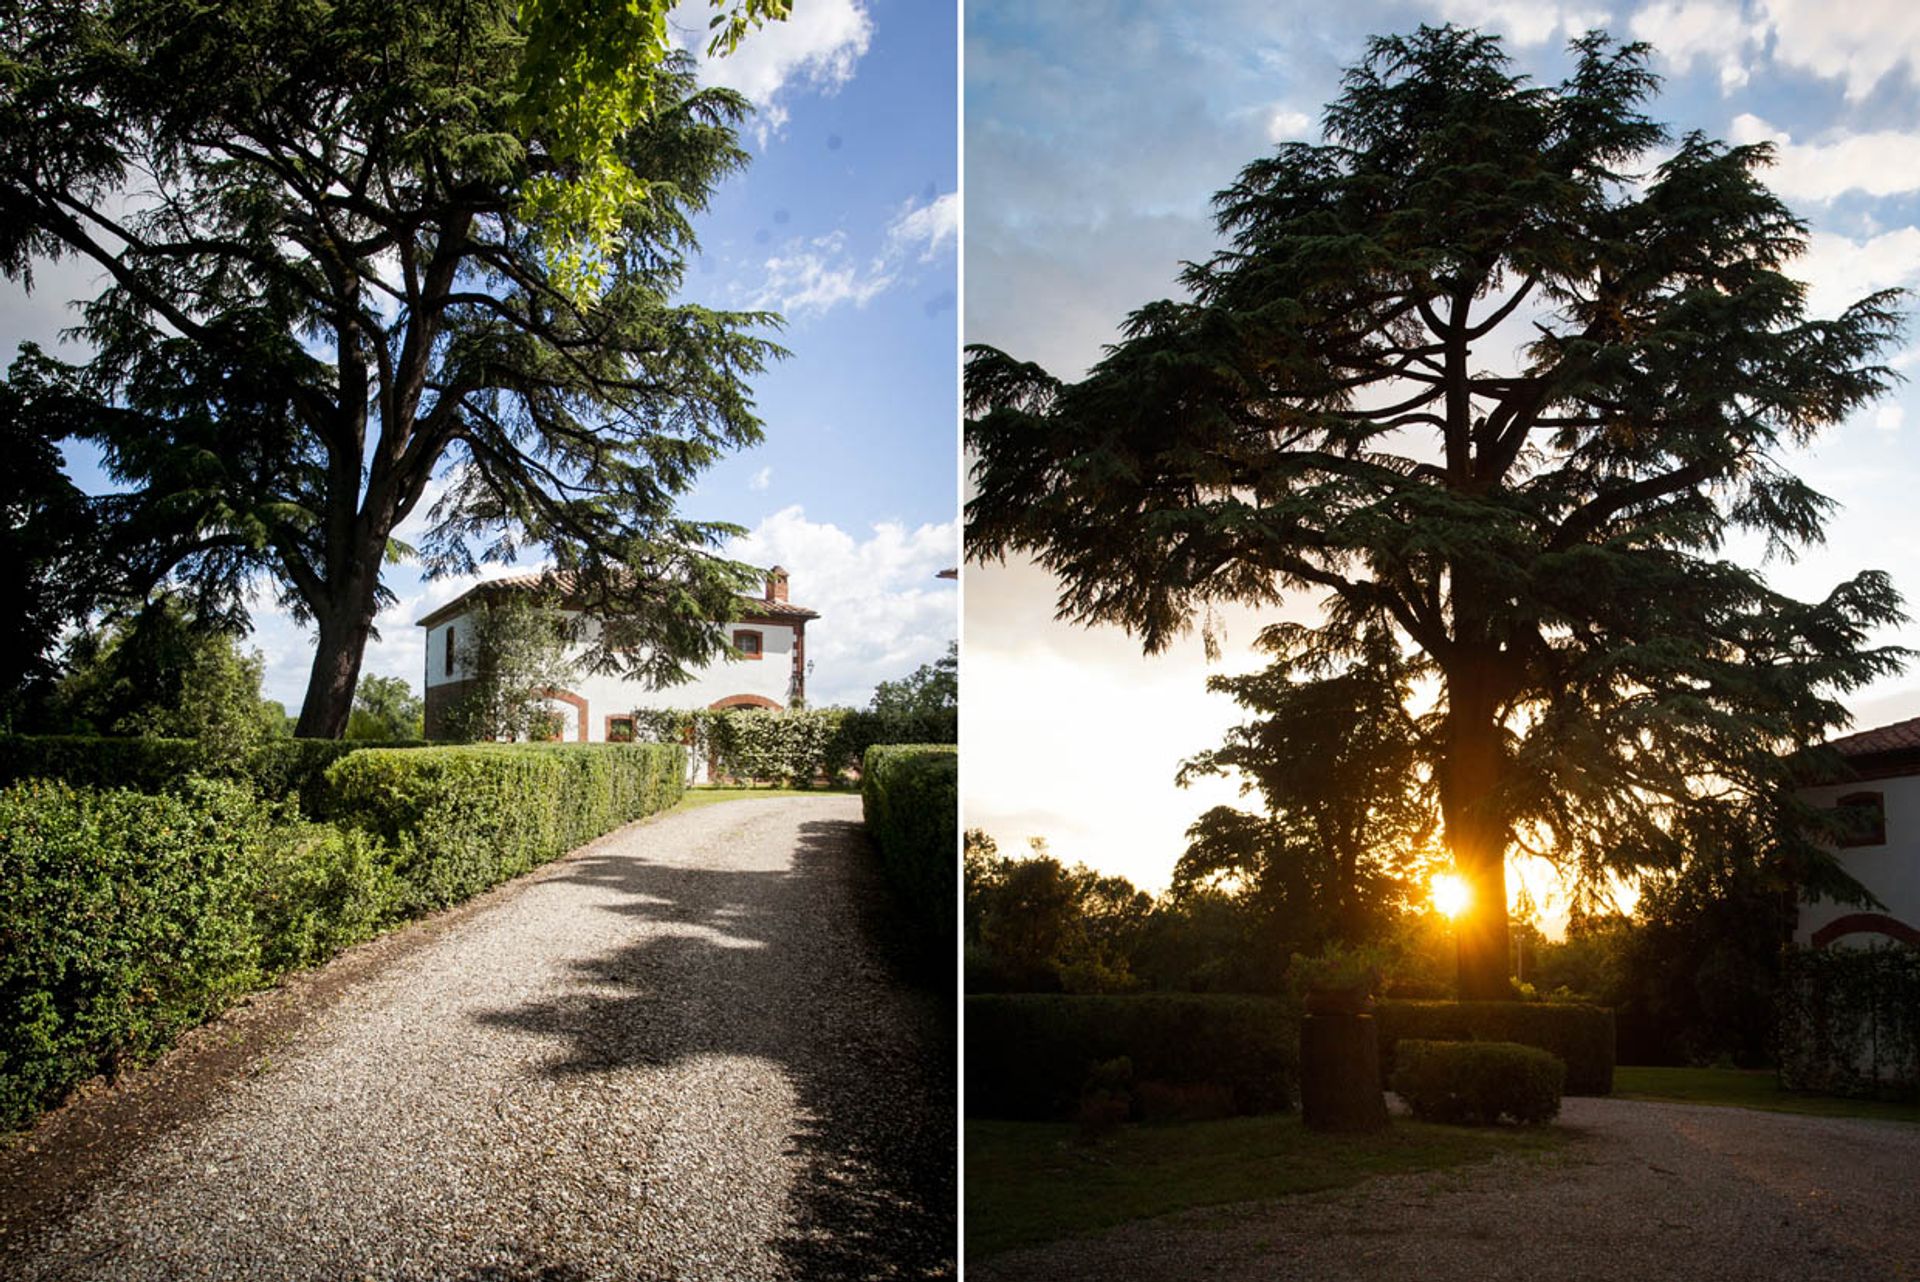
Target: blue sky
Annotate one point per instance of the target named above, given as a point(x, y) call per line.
point(846, 222)
point(1095, 134)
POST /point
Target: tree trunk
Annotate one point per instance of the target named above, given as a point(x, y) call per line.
point(1476, 832)
point(336, 664)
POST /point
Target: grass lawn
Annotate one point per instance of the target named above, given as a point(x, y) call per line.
point(1032, 1182)
point(1746, 1088)
point(709, 794)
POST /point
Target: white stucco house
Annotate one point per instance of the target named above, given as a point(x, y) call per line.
point(1885, 855)
point(771, 672)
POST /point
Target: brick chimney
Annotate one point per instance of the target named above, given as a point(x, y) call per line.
point(776, 584)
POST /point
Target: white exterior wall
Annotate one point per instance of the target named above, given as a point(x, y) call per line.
point(1891, 871)
point(768, 676)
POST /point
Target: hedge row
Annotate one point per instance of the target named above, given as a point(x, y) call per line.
point(460, 819)
point(1478, 1083)
point(1029, 1056)
point(910, 800)
point(277, 768)
point(1581, 1036)
point(126, 918)
point(797, 747)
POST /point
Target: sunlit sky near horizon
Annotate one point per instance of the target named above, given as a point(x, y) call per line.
point(845, 222)
point(1096, 134)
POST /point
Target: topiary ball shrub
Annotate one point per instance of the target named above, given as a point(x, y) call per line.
point(1478, 1083)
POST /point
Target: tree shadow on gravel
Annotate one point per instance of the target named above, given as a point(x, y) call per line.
point(806, 968)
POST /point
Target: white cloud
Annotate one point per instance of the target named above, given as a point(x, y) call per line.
point(817, 275)
point(760, 480)
point(1860, 42)
point(1881, 163)
point(1889, 418)
point(1525, 22)
point(817, 48)
point(1286, 125)
point(1840, 271)
point(925, 228)
point(1716, 32)
point(882, 611)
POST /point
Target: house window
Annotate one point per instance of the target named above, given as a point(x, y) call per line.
point(748, 643)
point(619, 729)
point(1865, 819)
point(449, 649)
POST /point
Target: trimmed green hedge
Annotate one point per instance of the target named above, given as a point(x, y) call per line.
point(909, 797)
point(1581, 1036)
point(277, 768)
point(127, 918)
point(461, 819)
point(1029, 1055)
point(797, 747)
point(1478, 1083)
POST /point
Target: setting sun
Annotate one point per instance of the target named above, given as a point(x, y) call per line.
point(1450, 894)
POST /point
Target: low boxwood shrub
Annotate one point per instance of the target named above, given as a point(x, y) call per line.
point(1581, 1036)
point(1478, 1083)
point(277, 768)
point(94, 761)
point(461, 819)
point(126, 918)
point(1029, 1055)
point(909, 798)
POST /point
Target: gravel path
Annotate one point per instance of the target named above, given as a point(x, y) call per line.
point(1643, 1191)
point(680, 1052)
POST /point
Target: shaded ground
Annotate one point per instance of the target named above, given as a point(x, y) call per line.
point(1642, 1191)
point(679, 1052)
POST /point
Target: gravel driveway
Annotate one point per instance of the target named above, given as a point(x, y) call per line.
point(1643, 1191)
point(680, 1052)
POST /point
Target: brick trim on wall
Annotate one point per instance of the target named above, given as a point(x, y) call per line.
point(744, 701)
point(1866, 924)
point(578, 704)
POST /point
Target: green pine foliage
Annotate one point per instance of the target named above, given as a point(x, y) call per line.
point(1478, 1083)
point(345, 284)
point(1333, 412)
point(910, 801)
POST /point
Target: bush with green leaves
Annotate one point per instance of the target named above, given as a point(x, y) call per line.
point(909, 798)
point(799, 747)
point(277, 768)
point(1478, 1083)
point(128, 918)
point(461, 819)
point(1581, 1037)
point(1028, 1055)
point(1849, 1021)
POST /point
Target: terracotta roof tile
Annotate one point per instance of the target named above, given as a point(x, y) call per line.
point(1892, 738)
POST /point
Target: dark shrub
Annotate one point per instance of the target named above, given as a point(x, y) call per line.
point(1478, 1083)
point(461, 819)
point(1580, 1036)
point(910, 800)
point(1028, 1055)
